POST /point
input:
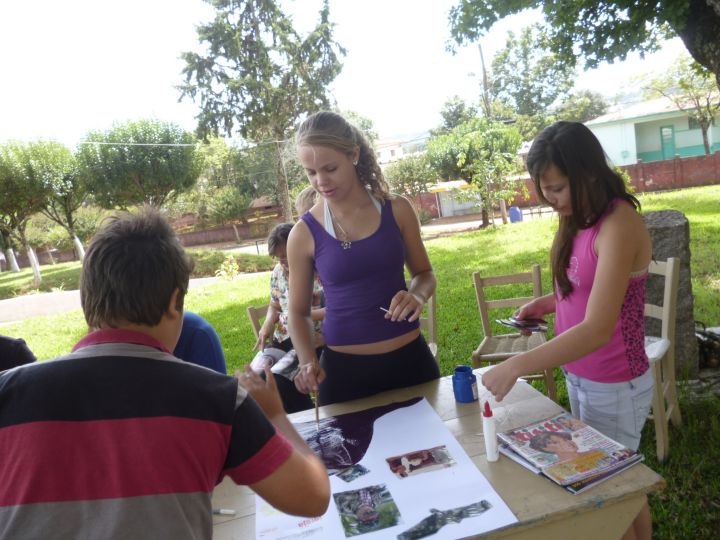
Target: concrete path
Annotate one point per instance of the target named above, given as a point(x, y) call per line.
point(50, 303)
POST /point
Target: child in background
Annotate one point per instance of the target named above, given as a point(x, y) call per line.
point(275, 327)
point(599, 260)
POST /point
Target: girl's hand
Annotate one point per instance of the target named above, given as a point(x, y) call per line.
point(405, 306)
point(264, 392)
point(500, 379)
point(263, 337)
point(309, 377)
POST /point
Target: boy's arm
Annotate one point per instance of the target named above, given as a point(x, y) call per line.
point(300, 486)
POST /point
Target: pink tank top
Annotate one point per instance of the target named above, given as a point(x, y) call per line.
point(623, 358)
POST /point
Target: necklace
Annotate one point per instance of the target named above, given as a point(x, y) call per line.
point(346, 242)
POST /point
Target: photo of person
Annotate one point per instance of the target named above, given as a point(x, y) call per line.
point(569, 423)
point(351, 473)
point(439, 518)
point(559, 443)
point(366, 510)
point(420, 461)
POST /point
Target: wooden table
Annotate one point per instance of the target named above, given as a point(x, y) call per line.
point(544, 510)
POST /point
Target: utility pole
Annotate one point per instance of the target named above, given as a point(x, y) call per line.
point(485, 93)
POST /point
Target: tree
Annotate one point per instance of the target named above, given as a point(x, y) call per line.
point(56, 165)
point(143, 162)
point(604, 31)
point(363, 123)
point(526, 75)
point(411, 175)
point(454, 112)
point(24, 194)
point(259, 76)
point(481, 152)
point(692, 89)
point(582, 106)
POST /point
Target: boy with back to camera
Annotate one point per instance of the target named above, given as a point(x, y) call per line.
point(120, 438)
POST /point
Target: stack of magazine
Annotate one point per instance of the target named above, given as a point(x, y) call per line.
point(568, 451)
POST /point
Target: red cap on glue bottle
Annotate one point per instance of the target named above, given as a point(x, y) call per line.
point(491, 449)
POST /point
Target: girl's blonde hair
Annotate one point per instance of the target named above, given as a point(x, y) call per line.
point(326, 128)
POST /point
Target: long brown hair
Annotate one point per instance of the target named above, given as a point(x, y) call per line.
point(326, 128)
point(578, 155)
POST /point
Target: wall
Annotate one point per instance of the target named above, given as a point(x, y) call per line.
point(675, 173)
point(618, 140)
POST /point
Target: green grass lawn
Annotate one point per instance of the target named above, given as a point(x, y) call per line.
point(688, 508)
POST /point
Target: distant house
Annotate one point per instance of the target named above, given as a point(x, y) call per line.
point(652, 130)
point(388, 150)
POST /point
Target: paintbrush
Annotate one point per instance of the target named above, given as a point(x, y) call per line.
point(317, 409)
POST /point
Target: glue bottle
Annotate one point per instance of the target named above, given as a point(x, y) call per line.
point(491, 448)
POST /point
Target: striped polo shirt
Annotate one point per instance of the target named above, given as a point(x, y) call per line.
point(120, 439)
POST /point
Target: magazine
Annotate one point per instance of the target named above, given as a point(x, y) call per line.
point(568, 451)
point(529, 325)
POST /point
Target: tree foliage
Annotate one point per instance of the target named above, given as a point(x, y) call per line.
point(143, 162)
point(604, 31)
point(411, 175)
point(526, 75)
point(25, 187)
point(581, 106)
point(481, 152)
point(692, 89)
point(258, 76)
point(455, 111)
point(58, 166)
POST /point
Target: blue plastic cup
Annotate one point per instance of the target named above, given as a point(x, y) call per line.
point(464, 384)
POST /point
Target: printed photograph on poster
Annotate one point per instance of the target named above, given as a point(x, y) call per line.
point(351, 473)
point(420, 461)
point(439, 518)
point(366, 510)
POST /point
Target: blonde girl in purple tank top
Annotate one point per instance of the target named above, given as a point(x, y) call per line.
point(359, 238)
point(599, 262)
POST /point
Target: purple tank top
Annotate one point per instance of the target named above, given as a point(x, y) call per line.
point(359, 281)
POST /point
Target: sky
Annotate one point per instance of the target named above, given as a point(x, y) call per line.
point(74, 66)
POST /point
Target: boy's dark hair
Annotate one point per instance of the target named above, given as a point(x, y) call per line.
point(278, 236)
point(539, 442)
point(131, 268)
point(578, 154)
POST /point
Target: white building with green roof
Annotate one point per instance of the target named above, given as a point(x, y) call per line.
point(651, 131)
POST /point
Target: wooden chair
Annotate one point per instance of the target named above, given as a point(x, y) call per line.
point(496, 348)
point(257, 315)
point(428, 323)
point(661, 353)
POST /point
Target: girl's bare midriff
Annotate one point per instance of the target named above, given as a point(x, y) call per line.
point(379, 347)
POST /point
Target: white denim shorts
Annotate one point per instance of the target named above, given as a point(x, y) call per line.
point(618, 410)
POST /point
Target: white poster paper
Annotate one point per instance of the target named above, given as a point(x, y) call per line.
point(415, 481)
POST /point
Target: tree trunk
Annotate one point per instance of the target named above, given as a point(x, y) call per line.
point(79, 249)
point(12, 261)
point(503, 211)
point(706, 142)
point(282, 187)
point(700, 33)
point(37, 278)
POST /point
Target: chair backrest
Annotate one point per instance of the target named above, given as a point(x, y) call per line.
point(485, 305)
point(256, 315)
point(670, 269)
point(428, 322)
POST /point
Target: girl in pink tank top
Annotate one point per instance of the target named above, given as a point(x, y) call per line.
point(599, 262)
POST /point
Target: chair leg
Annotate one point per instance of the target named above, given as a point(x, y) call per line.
point(662, 444)
point(671, 392)
point(550, 384)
